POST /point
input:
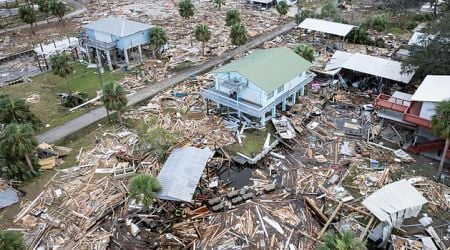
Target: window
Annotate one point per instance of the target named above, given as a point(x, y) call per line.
point(280, 89)
point(270, 95)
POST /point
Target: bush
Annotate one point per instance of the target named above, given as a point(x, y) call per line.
point(423, 17)
point(359, 35)
point(412, 25)
point(11, 240)
point(299, 17)
point(143, 188)
point(328, 10)
point(379, 23)
point(340, 19)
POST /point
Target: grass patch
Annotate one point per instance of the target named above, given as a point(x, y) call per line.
point(49, 109)
point(252, 141)
point(184, 65)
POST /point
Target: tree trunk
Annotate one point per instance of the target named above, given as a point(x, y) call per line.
point(68, 86)
point(46, 16)
point(153, 53)
point(203, 48)
point(190, 32)
point(30, 166)
point(119, 115)
point(31, 27)
point(444, 154)
point(435, 7)
point(62, 20)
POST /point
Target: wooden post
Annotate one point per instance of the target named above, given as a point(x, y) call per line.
point(363, 235)
point(316, 210)
point(324, 228)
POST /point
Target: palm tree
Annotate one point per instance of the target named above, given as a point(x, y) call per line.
point(16, 111)
point(186, 10)
point(202, 34)
point(115, 98)
point(158, 38)
point(45, 6)
point(61, 67)
point(219, 3)
point(238, 34)
point(28, 16)
point(232, 17)
point(18, 143)
point(346, 241)
point(305, 51)
point(282, 8)
point(440, 124)
point(59, 10)
point(143, 188)
point(11, 240)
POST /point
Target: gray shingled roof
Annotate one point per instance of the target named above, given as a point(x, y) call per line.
point(117, 26)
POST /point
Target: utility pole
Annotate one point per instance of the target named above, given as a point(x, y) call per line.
point(101, 85)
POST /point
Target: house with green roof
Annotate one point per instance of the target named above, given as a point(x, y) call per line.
point(258, 83)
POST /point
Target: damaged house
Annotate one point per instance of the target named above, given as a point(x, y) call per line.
point(114, 38)
point(259, 82)
point(416, 111)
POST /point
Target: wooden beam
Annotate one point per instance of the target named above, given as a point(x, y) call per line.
point(324, 228)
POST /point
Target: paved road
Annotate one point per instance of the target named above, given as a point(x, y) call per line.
point(79, 9)
point(147, 92)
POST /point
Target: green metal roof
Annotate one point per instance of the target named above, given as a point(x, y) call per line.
point(268, 68)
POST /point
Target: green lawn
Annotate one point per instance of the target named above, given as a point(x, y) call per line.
point(49, 109)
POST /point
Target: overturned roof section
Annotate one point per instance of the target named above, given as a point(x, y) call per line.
point(336, 61)
point(395, 202)
point(377, 66)
point(268, 68)
point(434, 88)
point(181, 173)
point(420, 39)
point(117, 26)
point(338, 29)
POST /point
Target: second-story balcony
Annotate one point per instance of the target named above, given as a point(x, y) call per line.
point(412, 115)
point(85, 41)
point(392, 103)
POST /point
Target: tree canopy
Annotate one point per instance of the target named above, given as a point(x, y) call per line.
point(219, 3)
point(158, 38)
point(59, 10)
point(186, 9)
point(232, 17)
point(143, 188)
point(328, 10)
point(344, 241)
point(45, 6)
point(11, 240)
point(238, 34)
point(115, 98)
point(282, 8)
point(16, 111)
point(61, 67)
point(305, 51)
point(440, 124)
point(27, 15)
point(432, 57)
point(202, 34)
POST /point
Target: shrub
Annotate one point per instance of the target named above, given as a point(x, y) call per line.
point(380, 23)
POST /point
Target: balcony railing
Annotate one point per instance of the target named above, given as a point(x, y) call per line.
point(412, 118)
point(248, 108)
point(392, 103)
point(94, 43)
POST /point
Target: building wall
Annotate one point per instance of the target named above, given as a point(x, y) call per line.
point(428, 110)
point(134, 40)
point(251, 93)
point(287, 86)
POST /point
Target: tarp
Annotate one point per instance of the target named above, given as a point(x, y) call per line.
point(181, 172)
point(338, 29)
point(395, 202)
point(377, 66)
point(8, 197)
point(433, 88)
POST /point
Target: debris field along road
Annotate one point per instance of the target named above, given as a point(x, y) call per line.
point(79, 9)
point(95, 115)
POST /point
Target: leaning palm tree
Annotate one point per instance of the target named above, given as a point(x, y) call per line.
point(305, 51)
point(440, 124)
point(282, 8)
point(158, 38)
point(238, 34)
point(186, 10)
point(19, 143)
point(115, 98)
point(61, 67)
point(219, 3)
point(143, 188)
point(232, 17)
point(202, 34)
point(16, 111)
point(344, 241)
point(11, 240)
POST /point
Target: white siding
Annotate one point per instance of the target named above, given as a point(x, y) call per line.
point(251, 93)
point(428, 110)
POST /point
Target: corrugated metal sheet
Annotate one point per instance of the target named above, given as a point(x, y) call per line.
point(338, 29)
point(181, 172)
point(8, 197)
point(117, 26)
point(377, 66)
point(395, 202)
point(433, 89)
